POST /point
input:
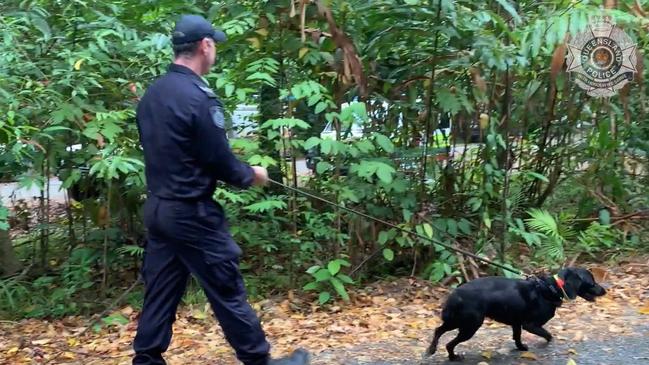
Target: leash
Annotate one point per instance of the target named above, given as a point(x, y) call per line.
point(561, 284)
point(354, 211)
point(364, 215)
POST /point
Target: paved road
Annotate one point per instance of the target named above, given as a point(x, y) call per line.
point(614, 350)
point(9, 191)
point(626, 342)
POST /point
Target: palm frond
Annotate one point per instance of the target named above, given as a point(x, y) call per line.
point(516, 197)
point(542, 221)
point(553, 249)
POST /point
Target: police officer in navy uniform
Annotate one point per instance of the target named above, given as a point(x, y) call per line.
point(186, 151)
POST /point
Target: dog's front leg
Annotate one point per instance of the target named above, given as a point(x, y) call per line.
point(517, 337)
point(538, 330)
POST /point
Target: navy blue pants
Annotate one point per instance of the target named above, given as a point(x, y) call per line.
point(192, 238)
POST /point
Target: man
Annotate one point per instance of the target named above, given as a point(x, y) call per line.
point(186, 150)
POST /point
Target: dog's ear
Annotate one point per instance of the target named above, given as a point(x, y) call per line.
point(600, 274)
point(571, 289)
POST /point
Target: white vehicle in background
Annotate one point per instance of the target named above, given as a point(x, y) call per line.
point(243, 123)
point(329, 132)
point(437, 147)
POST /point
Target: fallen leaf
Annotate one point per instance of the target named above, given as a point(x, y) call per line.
point(529, 355)
point(615, 329)
point(571, 362)
point(503, 351)
point(644, 310)
point(579, 336)
point(382, 312)
point(600, 274)
point(254, 41)
point(12, 351)
point(127, 311)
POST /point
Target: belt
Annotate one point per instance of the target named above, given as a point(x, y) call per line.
point(186, 200)
point(200, 202)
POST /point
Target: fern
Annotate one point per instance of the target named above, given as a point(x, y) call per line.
point(516, 198)
point(553, 234)
point(597, 236)
point(131, 250)
point(543, 222)
point(266, 206)
point(11, 294)
point(565, 230)
point(231, 197)
point(553, 249)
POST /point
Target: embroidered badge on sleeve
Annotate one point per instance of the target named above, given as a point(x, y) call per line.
point(217, 116)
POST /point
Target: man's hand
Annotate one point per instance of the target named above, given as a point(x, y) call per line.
point(261, 176)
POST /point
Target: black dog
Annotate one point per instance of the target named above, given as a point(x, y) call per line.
point(526, 304)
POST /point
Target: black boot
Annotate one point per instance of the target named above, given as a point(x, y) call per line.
point(298, 357)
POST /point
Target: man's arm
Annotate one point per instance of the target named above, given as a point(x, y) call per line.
point(214, 150)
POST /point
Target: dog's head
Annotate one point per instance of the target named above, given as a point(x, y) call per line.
point(580, 282)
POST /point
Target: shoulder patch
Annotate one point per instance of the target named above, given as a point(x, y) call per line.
point(206, 90)
point(217, 116)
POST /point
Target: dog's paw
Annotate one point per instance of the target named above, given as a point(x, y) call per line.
point(522, 347)
point(430, 351)
point(455, 357)
point(544, 345)
point(425, 360)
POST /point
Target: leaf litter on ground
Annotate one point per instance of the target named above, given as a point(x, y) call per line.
point(403, 311)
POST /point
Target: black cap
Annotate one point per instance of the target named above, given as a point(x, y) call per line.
point(192, 28)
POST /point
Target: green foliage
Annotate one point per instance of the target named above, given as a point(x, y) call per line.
point(439, 269)
point(4, 215)
point(548, 157)
point(266, 206)
point(598, 237)
point(131, 250)
point(53, 296)
point(327, 278)
point(553, 234)
point(12, 293)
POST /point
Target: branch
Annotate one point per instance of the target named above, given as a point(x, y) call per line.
point(637, 9)
point(352, 65)
point(638, 214)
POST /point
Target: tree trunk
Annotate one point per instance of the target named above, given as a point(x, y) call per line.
point(271, 108)
point(9, 263)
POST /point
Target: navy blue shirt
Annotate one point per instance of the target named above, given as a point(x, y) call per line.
point(186, 150)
